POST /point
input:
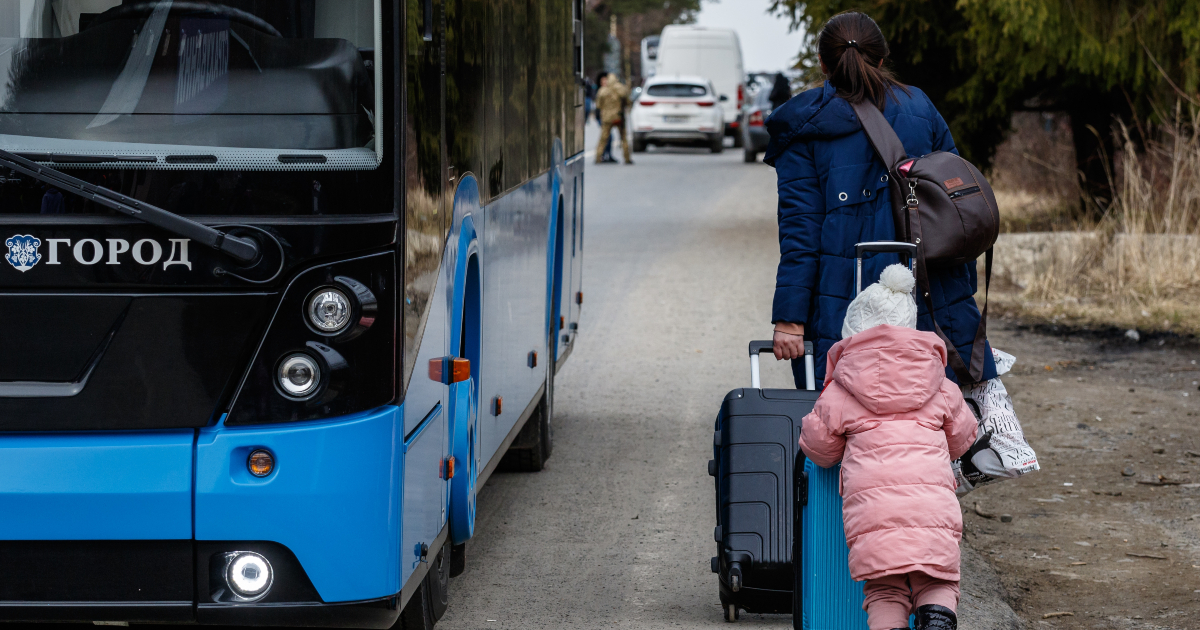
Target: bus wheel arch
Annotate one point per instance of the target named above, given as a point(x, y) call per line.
point(464, 398)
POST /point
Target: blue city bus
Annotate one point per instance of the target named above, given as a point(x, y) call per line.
point(285, 282)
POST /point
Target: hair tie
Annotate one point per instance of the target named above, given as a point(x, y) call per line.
point(852, 44)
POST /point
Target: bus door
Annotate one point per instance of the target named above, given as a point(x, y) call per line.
point(426, 282)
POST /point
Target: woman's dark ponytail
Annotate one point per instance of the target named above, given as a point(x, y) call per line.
point(853, 48)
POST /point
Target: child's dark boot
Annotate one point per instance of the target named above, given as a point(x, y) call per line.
point(934, 617)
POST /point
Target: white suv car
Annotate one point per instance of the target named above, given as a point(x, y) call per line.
point(678, 110)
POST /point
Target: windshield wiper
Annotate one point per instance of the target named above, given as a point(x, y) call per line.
point(71, 158)
point(244, 250)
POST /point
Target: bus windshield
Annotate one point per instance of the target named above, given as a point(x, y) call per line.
point(236, 85)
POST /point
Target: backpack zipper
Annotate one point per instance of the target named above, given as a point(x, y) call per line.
point(964, 192)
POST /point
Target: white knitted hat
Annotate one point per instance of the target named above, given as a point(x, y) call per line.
point(888, 301)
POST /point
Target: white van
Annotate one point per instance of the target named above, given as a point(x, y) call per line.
point(649, 56)
point(712, 53)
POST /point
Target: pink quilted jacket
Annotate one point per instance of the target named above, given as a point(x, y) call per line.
point(891, 417)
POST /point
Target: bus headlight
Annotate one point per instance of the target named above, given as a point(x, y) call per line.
point(249, 575)
point(329, 310)
point(298, 375)
point(301, 371)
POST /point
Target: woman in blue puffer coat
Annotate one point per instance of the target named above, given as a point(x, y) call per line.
point(833, 193)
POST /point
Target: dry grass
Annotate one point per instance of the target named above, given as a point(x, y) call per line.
point(1142, 268)
point(1034, 174)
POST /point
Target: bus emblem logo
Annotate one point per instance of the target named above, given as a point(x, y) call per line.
point(23, 251)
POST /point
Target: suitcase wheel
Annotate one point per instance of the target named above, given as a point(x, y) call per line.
point(731, 612)
point(716, 564)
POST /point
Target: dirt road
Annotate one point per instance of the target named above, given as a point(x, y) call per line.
point(617, 532)
point(1108, 532)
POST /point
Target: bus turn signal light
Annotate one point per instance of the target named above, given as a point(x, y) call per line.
point(460, 370)
point(447, 471)
point(447, 370)
point(261, 462)
point(498, 406)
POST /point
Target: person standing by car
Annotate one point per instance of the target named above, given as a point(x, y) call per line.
point(833, 193)
point(601, 78)
point(612, 100)
point(781, 91)
point(589, 98)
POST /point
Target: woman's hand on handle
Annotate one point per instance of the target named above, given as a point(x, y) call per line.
point(788, 341)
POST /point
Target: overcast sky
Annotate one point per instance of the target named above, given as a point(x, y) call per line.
point(766, 43)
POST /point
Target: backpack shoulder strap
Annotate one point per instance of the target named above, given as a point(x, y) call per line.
point(888, 147)
point(882, 137)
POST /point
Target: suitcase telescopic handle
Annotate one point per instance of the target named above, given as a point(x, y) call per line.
point(881, 247)
point(757, 347)
point(885, 247)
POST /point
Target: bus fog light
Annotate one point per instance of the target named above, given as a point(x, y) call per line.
point(260, 463)
point(329, 310)
point(299, 375)
point(249, 575)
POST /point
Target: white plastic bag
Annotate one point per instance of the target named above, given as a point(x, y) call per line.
point(1000, 450)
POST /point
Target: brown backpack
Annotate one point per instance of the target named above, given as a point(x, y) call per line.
point(943, 204)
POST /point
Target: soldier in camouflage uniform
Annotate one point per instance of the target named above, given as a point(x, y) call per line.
point(612, 100)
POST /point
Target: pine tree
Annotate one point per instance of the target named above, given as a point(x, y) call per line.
point(980, 60)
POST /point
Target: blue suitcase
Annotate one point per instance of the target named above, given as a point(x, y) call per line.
point(829, 598)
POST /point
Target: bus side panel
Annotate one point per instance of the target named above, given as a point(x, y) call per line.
point(426, 429)
point(423, 393)
point(514, 258)
point(333, 500)
point(424, 491)
point(573, 247)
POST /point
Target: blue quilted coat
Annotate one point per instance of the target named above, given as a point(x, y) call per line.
point(833, 193)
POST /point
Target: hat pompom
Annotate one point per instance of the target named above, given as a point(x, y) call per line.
point(897, 278)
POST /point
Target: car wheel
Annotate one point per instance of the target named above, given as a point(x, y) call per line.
point(737, 140)
point(717, 143)
point(749, 156)
point(639, 143)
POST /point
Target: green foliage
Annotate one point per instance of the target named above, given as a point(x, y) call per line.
point(676, 9)
point(928, 42)
point(595, 43)
point(1147, 49)
point(979, 60)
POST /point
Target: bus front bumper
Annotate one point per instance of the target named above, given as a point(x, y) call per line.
point(136, 526)
point(163, 581)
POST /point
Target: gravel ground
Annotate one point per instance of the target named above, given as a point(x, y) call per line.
point(1109, 529)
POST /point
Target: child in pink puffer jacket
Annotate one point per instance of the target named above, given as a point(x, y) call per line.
point(895, 422)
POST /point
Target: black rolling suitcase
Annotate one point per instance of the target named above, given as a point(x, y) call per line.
point(756, 450)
